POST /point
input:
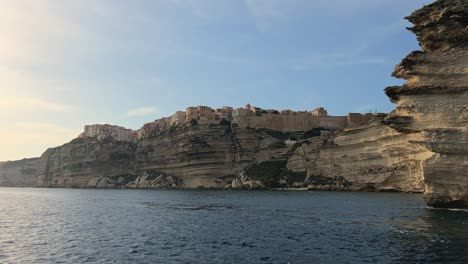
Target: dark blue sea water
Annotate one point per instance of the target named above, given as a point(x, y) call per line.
point(203, 226)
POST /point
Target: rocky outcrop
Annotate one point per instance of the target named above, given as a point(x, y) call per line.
point(372, 157)
point(198, 155)
point(432, 107)
point(188, 156)
point(276, 175)
point(144, 181)
point(21, 172)
point(265, 174)
point(207, 156)
point(76, 163)
point(243, 181)
point(154, 181)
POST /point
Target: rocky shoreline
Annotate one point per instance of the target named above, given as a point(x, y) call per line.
point(421, 146)
point(371, 157)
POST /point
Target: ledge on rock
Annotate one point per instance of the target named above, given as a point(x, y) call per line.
point(432, 105)
point(441, 25)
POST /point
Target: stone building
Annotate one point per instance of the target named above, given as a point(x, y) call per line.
point(108, 131)
point(191, 113)
point(242, 112)
point(154, 128)
point(203, 114)
point(319, 111)
point(224, 113)
point(178, 118)
point(255, 117)
point(287, 120)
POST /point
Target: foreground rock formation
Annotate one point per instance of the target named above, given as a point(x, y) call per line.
point(432, 107)
point(370, 157)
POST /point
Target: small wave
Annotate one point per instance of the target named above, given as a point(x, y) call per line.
point(190, 207)
point(447, 209)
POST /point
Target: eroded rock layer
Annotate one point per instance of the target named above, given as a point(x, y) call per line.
point(370, 157)
point(207, 156)
point(21, 173)
point(76, 163)
point(432, 107)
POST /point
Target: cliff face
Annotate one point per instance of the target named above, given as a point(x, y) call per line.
point(208, 155)
point(76, 163)
point(21, 172)
point(432, 107)
point(421, 145)
point(370, 157)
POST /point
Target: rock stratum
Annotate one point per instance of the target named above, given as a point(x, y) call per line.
point(371, 157)
point(421, 146)
point(432, 107)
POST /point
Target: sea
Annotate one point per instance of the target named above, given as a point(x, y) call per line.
point(39, 225)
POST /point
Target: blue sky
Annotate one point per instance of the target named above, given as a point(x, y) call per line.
point(66, 63)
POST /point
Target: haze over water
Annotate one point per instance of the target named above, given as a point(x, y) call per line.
point(203, 226)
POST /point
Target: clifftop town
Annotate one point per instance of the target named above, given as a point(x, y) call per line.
point(248, 117)
point(421, 146)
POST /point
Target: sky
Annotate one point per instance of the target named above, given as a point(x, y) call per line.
point(67, 63)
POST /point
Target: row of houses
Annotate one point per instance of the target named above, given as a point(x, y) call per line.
point(248, 116)
point(202, 114)
point(208, 115)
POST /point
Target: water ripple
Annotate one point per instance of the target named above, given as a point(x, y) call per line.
point(165, 226)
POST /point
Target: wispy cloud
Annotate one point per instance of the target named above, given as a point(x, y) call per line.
point(31, 103)
point(330, 59)
point(48, 128)
point(340, 57)
point(45, 25)
point(269, 9)
point(266, 12)
point(208, 10)
point(19, 91)
point(141, 111)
